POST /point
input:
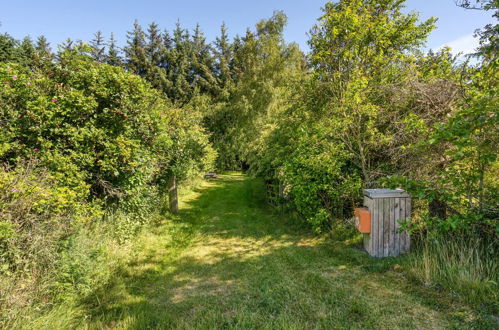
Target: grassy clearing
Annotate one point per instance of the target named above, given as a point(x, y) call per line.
point(228, 261)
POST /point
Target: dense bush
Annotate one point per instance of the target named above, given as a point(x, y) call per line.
point(103, 132)
point(84, 146)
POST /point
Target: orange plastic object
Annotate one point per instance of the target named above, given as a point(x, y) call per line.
point(363, 220)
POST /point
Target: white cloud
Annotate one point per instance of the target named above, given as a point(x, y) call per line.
point(465, 44)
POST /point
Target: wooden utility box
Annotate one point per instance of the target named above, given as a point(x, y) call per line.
point(386, 207)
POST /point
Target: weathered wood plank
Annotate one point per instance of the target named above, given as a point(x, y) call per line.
point(368, 237)
point(403, 236)
point(391, 247)
point(397, 226)
point(386, 227)
point(380, 227)
point(408, 208)
point(374, 226)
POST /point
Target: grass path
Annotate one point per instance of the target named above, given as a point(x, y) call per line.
point(227, 261)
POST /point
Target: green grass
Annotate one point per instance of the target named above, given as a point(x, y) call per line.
point(229, 261)
point(463, 266)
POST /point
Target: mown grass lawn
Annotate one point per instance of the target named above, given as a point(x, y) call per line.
point(229, 261)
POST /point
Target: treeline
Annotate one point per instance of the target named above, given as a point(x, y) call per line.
point(99, 130)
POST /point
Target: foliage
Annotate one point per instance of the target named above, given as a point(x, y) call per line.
point(88, 148)
point(101, 131)
point(35, 215)
point(85, 148)
point(330, 143)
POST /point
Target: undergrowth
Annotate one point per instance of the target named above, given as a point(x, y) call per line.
point(466, 268)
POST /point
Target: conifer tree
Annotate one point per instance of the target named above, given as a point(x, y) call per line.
point(27, 52)
point(153, 49)
point(113, 57)
point(167, 45)
point(202, 63)
point(223, 57)
point(98, 47)
point(155, 55)
point(181, 90)
point(7, 47)
point(136, 60)
point(67, 45)
point(43, 48)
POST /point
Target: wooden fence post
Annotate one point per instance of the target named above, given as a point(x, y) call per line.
point(172, 194)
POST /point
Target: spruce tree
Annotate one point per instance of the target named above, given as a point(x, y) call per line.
point(202, 64)
point(113, 57)
point(67, 45)
point(136, 60)
point(7, 47)
point(155, 54)
point(181, 89)
point(154, 45)
point(27, 52)
point(166, 49)
point(98, 47)
point(223, 57)
point(43, 48)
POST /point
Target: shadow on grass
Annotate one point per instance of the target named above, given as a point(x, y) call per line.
point(228, 261)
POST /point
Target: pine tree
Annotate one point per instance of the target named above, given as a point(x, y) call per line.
point(136, 60)
point(113, 57)
point(67, 45)
point(7, 47)
point(202, 64)
point(166, 49)
point(43, 48)
point(223, 56)
point(181, 89)
point(98, 47)
point(153, 49)
point(27, 52)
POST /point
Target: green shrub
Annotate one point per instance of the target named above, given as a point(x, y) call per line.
point(36, 216)
point(35, 213)
point(102, 132)
point(86, 150)
point(322, 186)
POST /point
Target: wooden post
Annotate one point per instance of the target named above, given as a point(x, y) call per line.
point(387, 207)
point(172, 194)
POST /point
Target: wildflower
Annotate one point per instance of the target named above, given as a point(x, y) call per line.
point(36, 150)
point(28, 83)
point(14, 190)
point(14, 78)
point(54, 99)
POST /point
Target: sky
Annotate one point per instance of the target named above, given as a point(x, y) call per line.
point(80, 19)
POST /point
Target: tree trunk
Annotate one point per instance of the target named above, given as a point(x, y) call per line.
point(172, 194)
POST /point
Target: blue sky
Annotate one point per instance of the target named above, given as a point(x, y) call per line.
point(60, 19)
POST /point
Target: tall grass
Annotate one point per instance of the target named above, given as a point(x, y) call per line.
point(466, 267)
point(54, 250)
